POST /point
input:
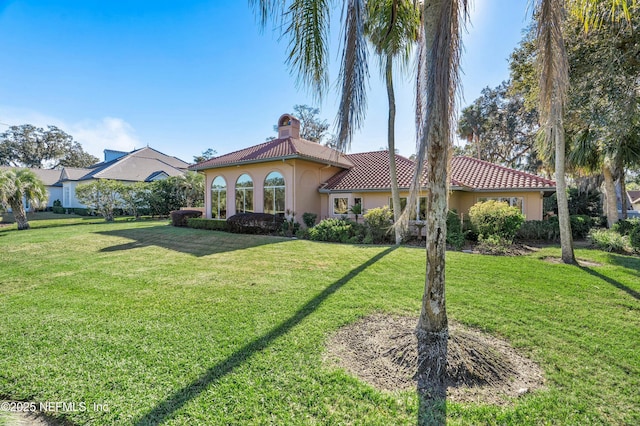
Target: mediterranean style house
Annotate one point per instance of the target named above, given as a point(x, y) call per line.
point(296, 175)
point(141, 165)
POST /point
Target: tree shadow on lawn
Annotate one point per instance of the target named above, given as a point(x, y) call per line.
point(617, 284)
point(165, 409)
point(195, 242)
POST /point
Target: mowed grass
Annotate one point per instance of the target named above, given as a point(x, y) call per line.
point(161, 324)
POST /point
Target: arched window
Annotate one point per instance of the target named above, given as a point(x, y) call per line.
point(274, 194)
point(219, 198)
point(244, 194)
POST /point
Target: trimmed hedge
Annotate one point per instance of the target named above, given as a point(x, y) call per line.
point(210, 224)
point(255, 223)
point(179, 217)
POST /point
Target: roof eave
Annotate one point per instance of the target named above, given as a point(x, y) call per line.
point(269, 160)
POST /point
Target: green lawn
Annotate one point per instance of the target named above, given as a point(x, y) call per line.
point(184, 326)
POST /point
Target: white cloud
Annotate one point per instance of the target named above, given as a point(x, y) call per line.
point(108, 133)
point(94, 135)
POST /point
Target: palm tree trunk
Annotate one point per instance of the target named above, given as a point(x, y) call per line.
point(610, 194)
point(441, 45)
point(566, 237)
point(393, 171)
point(20, 215)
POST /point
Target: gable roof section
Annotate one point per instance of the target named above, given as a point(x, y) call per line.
point(140, 165)
point(634, 196)
point(278, 149)
point(371, 173)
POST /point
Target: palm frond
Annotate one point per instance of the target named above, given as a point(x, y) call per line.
point(308, 32)
point(267, 10)
point(593, 13)
point(354, 73)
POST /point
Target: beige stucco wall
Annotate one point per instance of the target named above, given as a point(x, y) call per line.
point(531, 204)
point(302, 180)
point(459, 200)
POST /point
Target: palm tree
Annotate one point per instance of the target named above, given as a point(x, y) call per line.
point(437, 82)
point(192, 186)
point(554, 84)
point(18, 186)
point(392, 27)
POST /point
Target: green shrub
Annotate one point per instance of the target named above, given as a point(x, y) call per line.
point(455, 236)
point(57, 203)
point(337, 231)
point(82, 212)
point(210, 224)
point(634, 237)
point(493, 244)
point(625, 226)
point(290, 227)
point(539, 230)
point(378, 222)
point(58, 210)
point(309, 219)
point(580, 226)
point(608, 240)
point(494, 218)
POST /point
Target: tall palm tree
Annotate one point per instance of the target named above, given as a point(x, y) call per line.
point(392, 27)
point(554, 84)
point(18, 186)
point(437, 82)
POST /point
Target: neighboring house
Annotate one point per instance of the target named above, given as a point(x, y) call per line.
point(141, 165)
point(51, 180)
point(289, 173)
point(634, 203)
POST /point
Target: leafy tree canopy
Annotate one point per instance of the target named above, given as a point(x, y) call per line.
point(499, 128)
point(30, 146)
point(206, 155)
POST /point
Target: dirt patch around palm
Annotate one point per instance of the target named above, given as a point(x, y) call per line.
point(382, 351)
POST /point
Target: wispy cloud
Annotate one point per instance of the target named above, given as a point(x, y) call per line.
point(94, 135)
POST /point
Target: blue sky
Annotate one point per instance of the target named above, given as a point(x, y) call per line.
point(184, 76)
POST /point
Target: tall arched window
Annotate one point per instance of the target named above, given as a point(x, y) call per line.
point(219, 198)
point(274, 194)
point(244, 194)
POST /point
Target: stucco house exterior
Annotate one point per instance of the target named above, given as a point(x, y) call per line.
point(290, 173)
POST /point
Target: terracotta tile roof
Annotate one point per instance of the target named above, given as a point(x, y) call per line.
point(371, 172)
point(479, 174)
point(275, 150)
